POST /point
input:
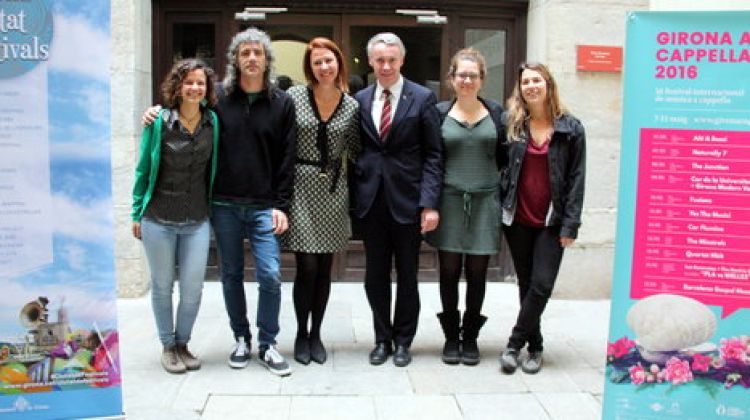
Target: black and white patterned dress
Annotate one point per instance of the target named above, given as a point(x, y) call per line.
point(319, 213)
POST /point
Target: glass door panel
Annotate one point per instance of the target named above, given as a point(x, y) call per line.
point(498, 41)
point(194, 40)
point(491, 43)
point(188, 35)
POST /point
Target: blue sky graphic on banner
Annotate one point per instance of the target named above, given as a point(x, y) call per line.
point(679, 344)
point(59, 353)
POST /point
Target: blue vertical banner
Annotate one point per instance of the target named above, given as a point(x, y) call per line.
point(679, 343)
point(59, 352)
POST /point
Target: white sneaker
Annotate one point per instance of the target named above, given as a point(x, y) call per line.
point(273, 360)
point(240, 355)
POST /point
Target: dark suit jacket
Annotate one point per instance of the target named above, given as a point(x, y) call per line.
point(409, 163)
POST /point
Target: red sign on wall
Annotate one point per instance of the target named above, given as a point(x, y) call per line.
point(599, 58)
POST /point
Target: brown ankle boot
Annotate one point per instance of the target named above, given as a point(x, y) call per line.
point(171, 362)
point(191, 362)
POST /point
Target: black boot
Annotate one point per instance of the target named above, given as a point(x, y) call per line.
point(469, 332)
point(449, 322)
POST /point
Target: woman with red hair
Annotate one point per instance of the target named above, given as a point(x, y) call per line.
point(319, 225)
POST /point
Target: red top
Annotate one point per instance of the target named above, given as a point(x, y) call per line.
point(533, 197)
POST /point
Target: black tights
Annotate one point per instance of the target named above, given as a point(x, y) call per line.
point(312, 286)
point(451, 264)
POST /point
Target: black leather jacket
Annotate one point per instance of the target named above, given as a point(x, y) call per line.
point(567, 171)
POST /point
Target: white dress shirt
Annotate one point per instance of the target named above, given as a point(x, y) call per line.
point(377, 103)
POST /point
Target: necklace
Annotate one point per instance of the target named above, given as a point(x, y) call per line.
point(190, 120)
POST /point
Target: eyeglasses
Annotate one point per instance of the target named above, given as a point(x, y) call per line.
point(470, 76)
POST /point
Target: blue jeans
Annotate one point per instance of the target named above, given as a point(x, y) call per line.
point(232, 225)
point(164, 244)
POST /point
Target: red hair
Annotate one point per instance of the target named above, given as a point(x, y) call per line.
point(342, 79)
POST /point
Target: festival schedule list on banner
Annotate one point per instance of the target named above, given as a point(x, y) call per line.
point(693, 216)
point(25, 233)
point(679, 342)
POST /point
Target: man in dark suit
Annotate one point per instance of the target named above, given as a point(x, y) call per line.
point(399, 176)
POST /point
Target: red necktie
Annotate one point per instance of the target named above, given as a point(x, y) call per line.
point(385, 116)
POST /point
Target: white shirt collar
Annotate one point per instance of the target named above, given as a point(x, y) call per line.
point(395, 89)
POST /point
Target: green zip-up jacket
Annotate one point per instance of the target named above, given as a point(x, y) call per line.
point(147, 169)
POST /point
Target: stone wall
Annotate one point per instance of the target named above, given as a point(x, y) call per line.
point(131, 87)
point(555, 27)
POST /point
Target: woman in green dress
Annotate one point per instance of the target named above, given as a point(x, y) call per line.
point(468, 233)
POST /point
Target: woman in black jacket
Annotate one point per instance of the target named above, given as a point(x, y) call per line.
point(542, 184)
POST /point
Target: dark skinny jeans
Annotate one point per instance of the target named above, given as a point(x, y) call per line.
point(536, 254)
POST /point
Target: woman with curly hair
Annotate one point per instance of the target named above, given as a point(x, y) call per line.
point(171, 196)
